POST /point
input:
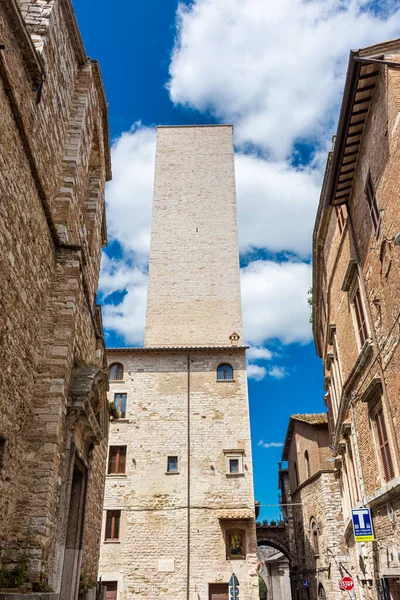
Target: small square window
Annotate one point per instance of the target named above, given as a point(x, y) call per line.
point(234, 462)
point(234, 465)
point(172, 464)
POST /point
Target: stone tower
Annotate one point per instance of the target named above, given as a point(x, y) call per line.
point(194, 234)
point(179, 505)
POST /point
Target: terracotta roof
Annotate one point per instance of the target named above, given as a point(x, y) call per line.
point(238, 514)
point(175, 348)
point(312, 418)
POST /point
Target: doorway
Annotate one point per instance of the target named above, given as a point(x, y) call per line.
point(219, 591)
point(111, 589)
point(73, 543)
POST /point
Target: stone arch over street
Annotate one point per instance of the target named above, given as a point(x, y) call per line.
point(275, 536)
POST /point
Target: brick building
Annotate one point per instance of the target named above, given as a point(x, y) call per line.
point(179, 504)
point(356, 308)
point(54, 163)
point(318, 558)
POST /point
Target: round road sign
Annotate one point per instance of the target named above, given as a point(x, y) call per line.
point(346, 584)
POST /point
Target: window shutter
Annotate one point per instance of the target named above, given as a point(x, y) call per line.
point(360, 317)
point(122, 460)
point(112, 460)
point(108, 525)
point(384, 445)
point(331, 419)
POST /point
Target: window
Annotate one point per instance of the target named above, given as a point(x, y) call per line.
point(117, 460)
point(321, 592)
point(314, 534)
point(360, 320)
point(331, 415)
point(386, 456)
point(307, 458)
point(372, 203)
point(120, 403)
point(116, 372)
point(224, 372)
point(235, 544)
point(172, 464)
point(2, 450)
point(234, 462)
point(113, 518)
point(233, 465)
point(341, 217)
point(296, 474)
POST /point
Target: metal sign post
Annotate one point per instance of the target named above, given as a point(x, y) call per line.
point(233, 587)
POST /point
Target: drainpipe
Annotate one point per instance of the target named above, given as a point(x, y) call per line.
point(188, 481)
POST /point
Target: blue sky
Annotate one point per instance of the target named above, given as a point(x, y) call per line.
point(276, 71)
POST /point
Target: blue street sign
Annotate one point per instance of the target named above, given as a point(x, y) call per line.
point(305, 582)
point(234, 591)
point(362, 525)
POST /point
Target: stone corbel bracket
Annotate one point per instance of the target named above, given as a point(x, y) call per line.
point(87, 396)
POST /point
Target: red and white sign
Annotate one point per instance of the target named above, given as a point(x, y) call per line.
point(346, 584)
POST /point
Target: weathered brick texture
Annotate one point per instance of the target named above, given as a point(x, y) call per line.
point(51, 99)
point(370, 376)
point(315, 494)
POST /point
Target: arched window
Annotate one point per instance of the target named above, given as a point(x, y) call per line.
point(116, 372)
point(224, 371)
point(296, 474)
point(321, 592)
point(307, 458)
point(314, 534)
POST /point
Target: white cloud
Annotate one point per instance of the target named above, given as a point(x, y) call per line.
point(269, 444)
point(276, 204)
point(129, 194)
point(256, 372)
point(277, 372)
point(258, 353)
point(126, 318)
point(275, 69)
point(274, 297)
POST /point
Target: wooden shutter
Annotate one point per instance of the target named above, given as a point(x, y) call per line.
point(112, 524)
point(331, 419)
point(360, 317)
point(122, 460)
point(112, 460)
point(373, 205)
point(384, 447)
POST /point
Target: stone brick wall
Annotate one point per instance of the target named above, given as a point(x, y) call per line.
point(194, 232)
point(154, 505)
point(53, 131)
point(370, 377)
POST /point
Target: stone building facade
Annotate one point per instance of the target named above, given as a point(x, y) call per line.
point(179, 505)
point(357, 309)
point(54, 164)
point(312, 510)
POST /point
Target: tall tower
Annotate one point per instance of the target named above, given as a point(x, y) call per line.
point(179, 504)
point(194, 286)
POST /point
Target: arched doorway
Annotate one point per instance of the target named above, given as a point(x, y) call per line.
point(273, 571)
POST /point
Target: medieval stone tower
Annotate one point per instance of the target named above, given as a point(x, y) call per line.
point(179, 505)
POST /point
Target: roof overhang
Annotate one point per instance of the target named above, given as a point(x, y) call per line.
point(176, 349)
